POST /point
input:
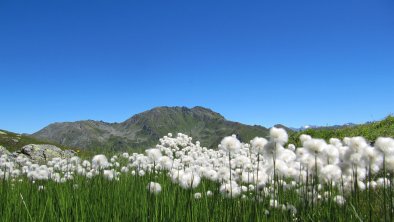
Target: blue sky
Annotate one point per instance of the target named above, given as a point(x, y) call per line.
point(255, 62)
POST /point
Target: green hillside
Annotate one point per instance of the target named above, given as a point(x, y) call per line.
point(371, 131)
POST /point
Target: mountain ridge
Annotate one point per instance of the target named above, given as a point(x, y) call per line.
point(143, 130)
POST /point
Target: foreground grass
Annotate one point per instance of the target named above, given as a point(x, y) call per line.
point(128, 199)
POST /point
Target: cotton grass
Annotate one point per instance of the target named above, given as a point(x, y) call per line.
point(267, 173)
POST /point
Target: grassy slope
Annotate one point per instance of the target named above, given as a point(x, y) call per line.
point(371, 131)
point(14, 142)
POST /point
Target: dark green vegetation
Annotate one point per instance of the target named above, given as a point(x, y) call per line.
point(370, 131)
point(145, 129)
point(98, 199)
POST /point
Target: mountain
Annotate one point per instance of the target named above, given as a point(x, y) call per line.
point(306, 127)
point(144, 129)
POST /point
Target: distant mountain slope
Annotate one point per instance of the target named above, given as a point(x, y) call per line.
point(371, 131)
point(144, 129)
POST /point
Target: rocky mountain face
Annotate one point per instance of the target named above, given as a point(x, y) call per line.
point(144, 129)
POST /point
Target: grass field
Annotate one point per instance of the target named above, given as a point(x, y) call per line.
point(129, 200)
point(178, 180)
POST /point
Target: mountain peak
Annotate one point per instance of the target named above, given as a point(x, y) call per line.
point(174, 112)
point(207, 111)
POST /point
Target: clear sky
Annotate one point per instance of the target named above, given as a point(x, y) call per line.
point(255, 62)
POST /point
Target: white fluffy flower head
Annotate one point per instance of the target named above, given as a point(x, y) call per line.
point(154, 188)
point(258, 144)
point(278, 135)
point(385, 145)
point(153, 154)
point(100, 162)
point(230, 144)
